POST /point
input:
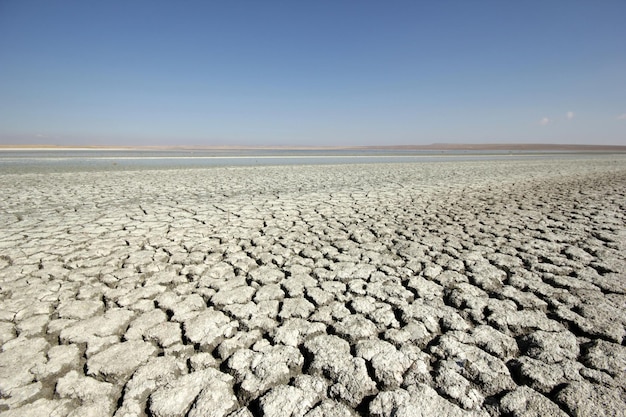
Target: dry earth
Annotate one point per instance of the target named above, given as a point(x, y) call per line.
point(448, 289)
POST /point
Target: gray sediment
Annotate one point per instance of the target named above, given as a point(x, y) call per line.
point(480, 288)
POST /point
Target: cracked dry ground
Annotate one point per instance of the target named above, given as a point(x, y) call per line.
point(448, 289)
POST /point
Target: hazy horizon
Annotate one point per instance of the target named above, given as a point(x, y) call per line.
point(320, 74)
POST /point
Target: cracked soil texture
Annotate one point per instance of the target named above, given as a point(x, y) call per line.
point(478, 288)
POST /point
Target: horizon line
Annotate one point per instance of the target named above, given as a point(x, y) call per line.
point(432, 146)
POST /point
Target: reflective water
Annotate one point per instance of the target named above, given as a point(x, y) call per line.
point(20, 161)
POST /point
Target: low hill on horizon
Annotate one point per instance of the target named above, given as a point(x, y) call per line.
point(432, 147)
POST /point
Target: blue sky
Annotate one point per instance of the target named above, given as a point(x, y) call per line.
point(312, 72)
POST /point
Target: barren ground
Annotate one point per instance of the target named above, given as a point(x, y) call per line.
point(449, 289)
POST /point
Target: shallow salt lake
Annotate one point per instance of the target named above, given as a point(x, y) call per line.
point(64, 160)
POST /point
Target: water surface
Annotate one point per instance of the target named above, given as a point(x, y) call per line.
point(71, 160)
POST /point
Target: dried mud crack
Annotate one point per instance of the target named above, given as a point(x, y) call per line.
point(453, 289)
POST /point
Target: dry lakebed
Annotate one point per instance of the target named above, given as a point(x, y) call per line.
point(455, 288)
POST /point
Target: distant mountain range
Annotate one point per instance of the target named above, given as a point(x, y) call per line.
point(431, 147)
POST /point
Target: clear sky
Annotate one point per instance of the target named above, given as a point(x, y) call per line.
point(317, 72)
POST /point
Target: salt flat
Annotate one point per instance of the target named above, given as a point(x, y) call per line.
point(448, 288)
